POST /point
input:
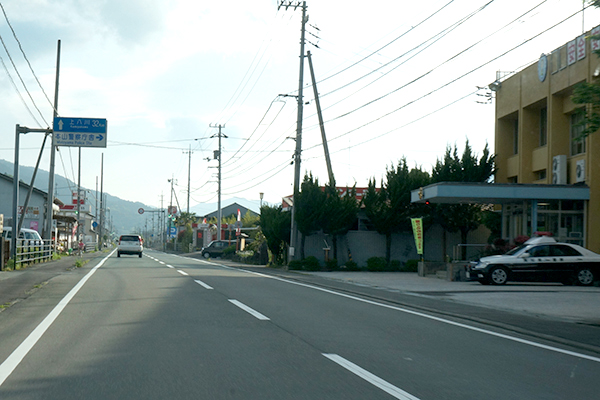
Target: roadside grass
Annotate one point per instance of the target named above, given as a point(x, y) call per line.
point(80, 262)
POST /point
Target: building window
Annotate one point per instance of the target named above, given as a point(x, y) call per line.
point(541, 174)
point(543, 126)
point(516, 136)
point(577, 143)
point(513, 179)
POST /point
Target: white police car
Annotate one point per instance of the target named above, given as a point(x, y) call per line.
point(540, 259)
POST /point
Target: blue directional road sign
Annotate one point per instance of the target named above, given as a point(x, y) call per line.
point(79, 132)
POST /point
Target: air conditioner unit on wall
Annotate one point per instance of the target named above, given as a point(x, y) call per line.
point(580, 171)
point(559, 170)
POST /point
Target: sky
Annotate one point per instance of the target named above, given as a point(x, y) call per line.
point(395, 80)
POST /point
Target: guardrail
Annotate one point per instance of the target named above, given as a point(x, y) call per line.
point(31, 251)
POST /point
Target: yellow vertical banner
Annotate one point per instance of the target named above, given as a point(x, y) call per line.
point(417, 225)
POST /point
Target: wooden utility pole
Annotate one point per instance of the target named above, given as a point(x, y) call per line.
point(297, 153)
point(218, 156)
point(189, 152)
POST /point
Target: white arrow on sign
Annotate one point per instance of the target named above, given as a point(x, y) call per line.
point(60, 124)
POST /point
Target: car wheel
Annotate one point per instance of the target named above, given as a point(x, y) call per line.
point(206, 255)
point(585, 277)
point(498, 276)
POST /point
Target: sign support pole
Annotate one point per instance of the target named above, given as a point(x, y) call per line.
point(79, 239)
point(49, 211)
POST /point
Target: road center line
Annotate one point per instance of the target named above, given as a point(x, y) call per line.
point(431, 317)
point(249, 310)
point(204, 285)
point(9, 365)
point(372, 379)
point(182, 272)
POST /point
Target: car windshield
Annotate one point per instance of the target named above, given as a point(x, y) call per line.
point(130, 238)
point(516, 251)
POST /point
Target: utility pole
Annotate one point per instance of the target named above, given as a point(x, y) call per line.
point(217, 154)
point(297, 153)
point(189, 152)
point(171, 208)
point(49, 211)
point(321, 123)
point(162, 223)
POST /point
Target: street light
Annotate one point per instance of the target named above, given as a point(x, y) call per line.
point(261, 194)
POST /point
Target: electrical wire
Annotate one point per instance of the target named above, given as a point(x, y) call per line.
point(389, 43)
point(456, 79)
point(25, 57)
point(281, 168)
point(18, 92)
point(23, 82)
point(449, 104)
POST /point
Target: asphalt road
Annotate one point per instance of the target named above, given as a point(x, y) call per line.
point(171, 327)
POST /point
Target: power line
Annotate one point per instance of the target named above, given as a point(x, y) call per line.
point(389, 43)
point(446, 84)
point(18, 92)
point(23, 82)
point(435, 90)
point(25, 56)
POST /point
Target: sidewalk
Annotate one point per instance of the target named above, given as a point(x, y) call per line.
point(18, 285)
point(556, 301)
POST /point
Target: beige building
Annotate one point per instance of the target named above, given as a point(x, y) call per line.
point(536, 143)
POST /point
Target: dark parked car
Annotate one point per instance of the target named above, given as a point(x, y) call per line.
point(215, 248)
point(540, 259)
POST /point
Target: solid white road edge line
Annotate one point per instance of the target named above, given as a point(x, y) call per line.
point(204, 285)
point(249, 310)
point(431, 317)
point(9, 365)
point(372, 379)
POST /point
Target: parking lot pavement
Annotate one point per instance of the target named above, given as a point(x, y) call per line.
point(555, 301)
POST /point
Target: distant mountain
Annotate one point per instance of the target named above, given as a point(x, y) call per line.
point(124, 213)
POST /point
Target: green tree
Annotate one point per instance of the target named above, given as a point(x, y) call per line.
point(339, 213)
point(309, 208)
point(588, 94)
point(250, 219)
point(466, 168)
point(276, 225)
point(185, 237)
point(390, 209)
